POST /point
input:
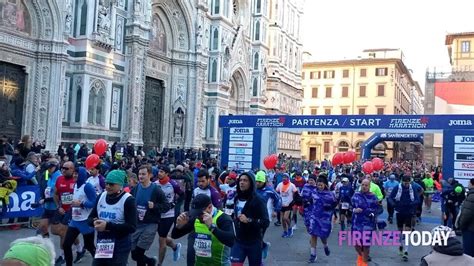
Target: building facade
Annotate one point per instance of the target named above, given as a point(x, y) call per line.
point(156, 73)
point(376, 83)
point(450, 89)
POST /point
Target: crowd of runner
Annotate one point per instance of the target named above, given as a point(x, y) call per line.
point(121, 203)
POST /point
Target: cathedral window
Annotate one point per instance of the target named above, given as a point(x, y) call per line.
point(258, 6)
point(77, 117)
point(255, 87)
point(212, 70)
point(257, 31)
point(95, 115)
point(215, 7)
point(215, 39)
point(83, 23)
point(211, 126)
point(255, 61)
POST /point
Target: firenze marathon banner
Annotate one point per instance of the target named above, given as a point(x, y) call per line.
point(20, 203)
point(458, 155)
point(421, 123)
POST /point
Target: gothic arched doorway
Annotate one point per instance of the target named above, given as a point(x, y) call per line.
point(12, 88)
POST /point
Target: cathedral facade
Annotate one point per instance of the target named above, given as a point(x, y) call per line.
point(156, 73)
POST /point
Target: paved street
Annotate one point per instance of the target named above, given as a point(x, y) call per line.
point(284, 251)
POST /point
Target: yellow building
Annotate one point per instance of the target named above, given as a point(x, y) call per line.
point(376, 83)
point(461, 54)
point(450, 90)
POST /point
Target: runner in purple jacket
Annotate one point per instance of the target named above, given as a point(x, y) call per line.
point(319, 213)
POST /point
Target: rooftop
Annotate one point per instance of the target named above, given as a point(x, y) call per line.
point(451, 36)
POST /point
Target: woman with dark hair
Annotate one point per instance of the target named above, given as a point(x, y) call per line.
point(365, 205)
point(319, 206)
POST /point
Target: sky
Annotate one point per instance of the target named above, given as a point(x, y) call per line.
point(338, 29)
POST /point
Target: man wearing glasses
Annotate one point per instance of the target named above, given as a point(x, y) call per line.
point(63, 197)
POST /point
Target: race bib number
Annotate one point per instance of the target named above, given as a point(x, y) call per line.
point(202, 245)
point(345, 205)
point(104, 249)
point(141, 212)
point(229, 211)
point(285, 194)
point(66, 198)
point(47, 192)
point(76, 212)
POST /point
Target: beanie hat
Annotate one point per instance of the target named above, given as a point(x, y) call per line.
point(458, 189)
point(116, 177)
point(34, 251)
point(260, 176)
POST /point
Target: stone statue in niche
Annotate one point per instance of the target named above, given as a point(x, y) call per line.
point(67, 26)
point(181, 40)
point(199, 37)
point(68, 18)
point(178, 124)
point(137, 6)
point(225, 72)
point(103, 21)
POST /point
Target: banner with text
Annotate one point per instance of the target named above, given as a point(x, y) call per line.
point(393, 123)
point(20, 203)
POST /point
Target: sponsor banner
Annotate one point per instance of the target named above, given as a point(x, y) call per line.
point(463, 148)
point(240, 158)
point(235, 144)
point(240, 151)
point(240, 165)
point(463, 174)
point(241, 137)
point(394, 122)
point(464, 140)
point(464, 156)
point(20, 203)
point(241, 131)
point(464, 166)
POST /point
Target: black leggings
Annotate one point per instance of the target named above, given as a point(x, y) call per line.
point(138, 255)
point(451, 213)
point(71, 235)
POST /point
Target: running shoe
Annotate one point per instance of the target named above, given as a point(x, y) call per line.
point(405, 256)
point(294, 227)
point(284, 235)
point(312, 259)
point(400, 251)
point(290, 232)
point(177, 252)
point(390, 220)
point(369, 258)
point(59, 261)
point(79, 256)
point(265, 250)
point(155, 261)
point(277, 223)
point(327, 251)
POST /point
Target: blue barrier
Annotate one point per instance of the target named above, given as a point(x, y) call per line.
point(20, 203)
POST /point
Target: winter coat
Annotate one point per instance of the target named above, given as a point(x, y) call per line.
point(451, 254)
point(466, 219)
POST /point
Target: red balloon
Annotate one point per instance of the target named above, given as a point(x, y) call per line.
point(349, 157)
point(270, 161)
point(368, 167)
point(338, 158)
point(378, 164)
point(92, 161)
point(100, 147)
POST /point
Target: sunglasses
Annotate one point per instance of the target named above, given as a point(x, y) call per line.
point(110, 184)
point(65, 168)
